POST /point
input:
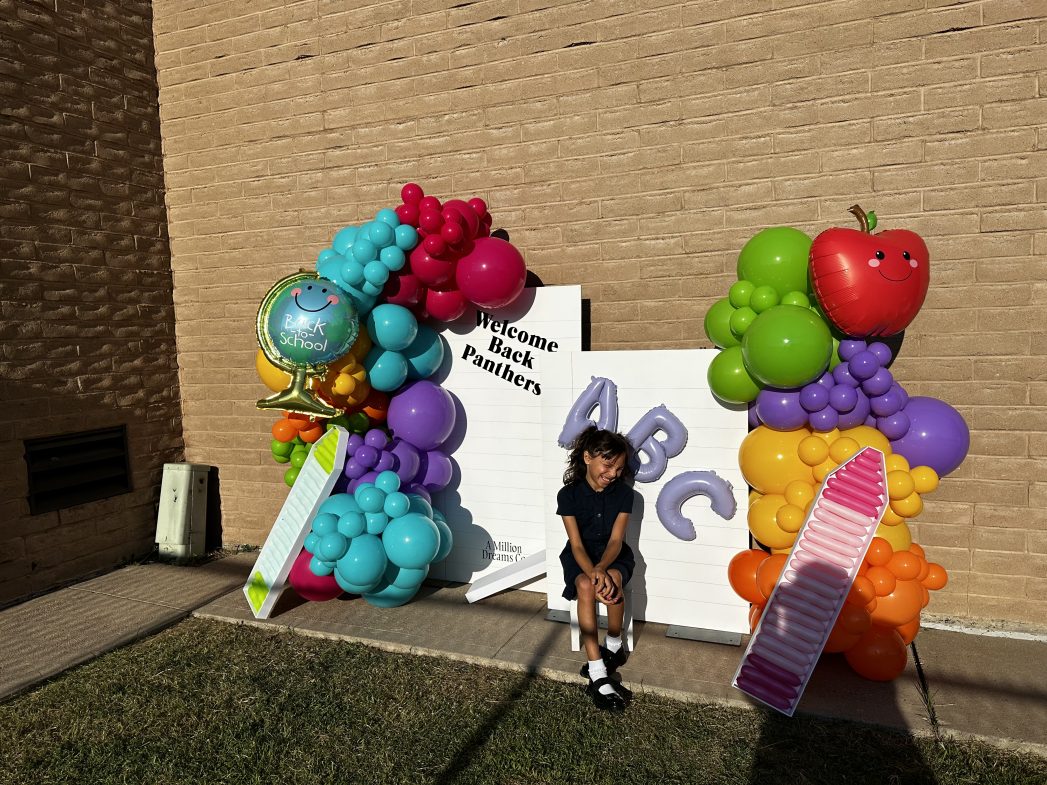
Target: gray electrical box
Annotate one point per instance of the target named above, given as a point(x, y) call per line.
point(181, 522)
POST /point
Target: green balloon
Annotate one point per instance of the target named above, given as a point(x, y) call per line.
point(290, 476)
point(787, 346)
point(764, 297)
point(718, 324)
point(776, 257)
point(741, 319)
point(739, 293)
point(729, 380)
point(281, 448)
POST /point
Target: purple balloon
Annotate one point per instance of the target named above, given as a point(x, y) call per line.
point(386, 462)
point(842, 375)
point(895, 426)
point(408, 460)
point(376, 438)
point(863, 365)
point(369, 477)
point(848, 349)
point(355, 440)
point(436, 471)
point(754, 417)
point(418, 490)
point(843, 398)
point(781, 409)
point(826, 380)
point(422, 413)
point(857, 415)
point(882, 352)
point(938, 436)
point(353, 469)
point(870, 421)
point(900, 392)
point(887, 404)
point(366, 456)
point(686, 486)
point(814, 397)
point(879, 383)
point(825, 420)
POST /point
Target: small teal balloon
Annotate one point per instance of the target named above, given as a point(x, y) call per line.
point(326, 255)
point(339, 504)
point(370, 498)
point(406, 237)
point(420, 505)
point(387, 481)
point(388, 216)
point(364, 251)
point(396, 504)
point(312, 542)
point(375, 276)
point(325, 523)
point(386, 370)
point(376, 522)
point(393, 258)
point(320, 568)
point(363, 564)
point(411, 541)
point(446, 539)
point(404, 578)
point(352, 272)
point(392, 326)
point(352, 524)
point(389, 596)
point(381, 234)
point(426, 353)
point(332, 547)
point(344, 239)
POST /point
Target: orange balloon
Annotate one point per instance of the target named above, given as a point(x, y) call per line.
point(908, 630)
point(879, 655)
point(768, 572)
point(918, 550)
point(880, 552)
point(925, 596)
point(741, 574)
point(755, 612)
point(925, 568)
point(936, 577)
point(862, 591)
point(312, 433)
point(900, 606)
point(905, 565)
point(284, 430)
point(840, 640)
point(376, 405)
point(854, 619)
point(883, 580)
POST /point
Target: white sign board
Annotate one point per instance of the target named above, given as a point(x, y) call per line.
point(676, 581)
point(496, 505)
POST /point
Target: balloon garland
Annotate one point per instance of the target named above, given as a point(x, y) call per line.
point(349, 346)
point(798, 337)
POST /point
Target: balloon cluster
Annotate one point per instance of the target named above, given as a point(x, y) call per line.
point(798, 333)
point(422, 259)
point(456, 262)
point(377, 542)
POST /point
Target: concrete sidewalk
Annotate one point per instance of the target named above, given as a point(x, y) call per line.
point(987, 687)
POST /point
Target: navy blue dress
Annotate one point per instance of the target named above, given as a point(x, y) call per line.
point(596, 513)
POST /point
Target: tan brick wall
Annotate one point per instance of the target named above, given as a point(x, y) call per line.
point(634, 152)
point(86, 315)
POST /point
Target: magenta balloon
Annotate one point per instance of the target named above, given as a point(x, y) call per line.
point(422, 413)
point(308, 586)
point(937, 437)
point(492, 274)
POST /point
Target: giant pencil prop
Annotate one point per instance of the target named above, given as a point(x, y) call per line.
point(814, 583)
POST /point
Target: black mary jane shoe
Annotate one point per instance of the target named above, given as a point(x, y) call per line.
point(612, 659)
point(612, 701)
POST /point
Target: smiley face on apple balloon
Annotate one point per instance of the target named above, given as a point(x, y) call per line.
point(869, 284)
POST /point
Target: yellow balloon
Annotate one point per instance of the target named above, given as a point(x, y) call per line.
point(828, 436)
point(843, 448)
point(769, 459)
point(821, 471)
point(891, 518)
point(786, 550)
point(909, 507)
point(868, 437)
point(753, 496)
point(812, 450)
point(789, 518)
point(763, 522)
point(899, 484)
point(898, 536)
point(362, 346)
point(925, 479)
point(896, 462)
point(271, 376)
point(799, 493)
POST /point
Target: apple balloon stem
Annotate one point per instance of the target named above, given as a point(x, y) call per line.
point(867, 221)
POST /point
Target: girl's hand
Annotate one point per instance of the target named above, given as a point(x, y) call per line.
point(601, 581)
point(613, 594)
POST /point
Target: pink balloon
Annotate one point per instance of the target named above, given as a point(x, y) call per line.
point(408, 214)
point(403, 289)
point(429, 270)
point(412, 193)
point(493, 274)
point(309, 586)
point(445, 306)
point(468, 214)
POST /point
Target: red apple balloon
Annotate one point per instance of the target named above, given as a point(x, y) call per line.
point(869, 285)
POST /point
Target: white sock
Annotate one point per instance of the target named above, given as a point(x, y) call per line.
point(597, 671)
point(613, 643)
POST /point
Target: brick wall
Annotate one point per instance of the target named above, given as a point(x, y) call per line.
point(86, 316)
point(634, 152)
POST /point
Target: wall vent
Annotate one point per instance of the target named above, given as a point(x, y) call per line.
point(77, 468)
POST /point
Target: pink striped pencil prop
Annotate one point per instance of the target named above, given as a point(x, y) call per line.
point(814, 583)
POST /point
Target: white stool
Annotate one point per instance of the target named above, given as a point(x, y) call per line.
point(601, 621)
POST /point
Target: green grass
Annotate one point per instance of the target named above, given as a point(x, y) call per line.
point(207, 702)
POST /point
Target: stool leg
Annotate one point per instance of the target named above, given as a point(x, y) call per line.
point(627, 623)
point(576, 633)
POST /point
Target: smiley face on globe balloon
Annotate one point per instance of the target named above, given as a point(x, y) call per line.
point(869, 284)
point(307, 321)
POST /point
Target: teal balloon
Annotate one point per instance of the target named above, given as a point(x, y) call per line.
point(386, 370)
point(325, 523)
point(370, 498)
point(376, 522)
point(729, 380)
point(718, 324)
point(352, 524)
point(403, 577)
point(446, 539)
point(362, 566)
point(787, 346)
point(387, 215)
point(381, 234)
point(776, 257)
point(311, 321)
point(420, 505)
point(396, 504)
point(392, 326)
point(406, 237)
point(332, 547)
point(388, 596)
point(344, 239)
point(339, 504)
point(425, 355)
point(411, 541)
point(393, 258)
